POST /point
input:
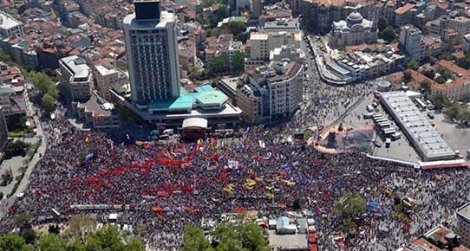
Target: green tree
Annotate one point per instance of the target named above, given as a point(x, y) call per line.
point(464, 62)
point(252, 237)
point(227, 237)
point(75, 245)
point(347, 207)
point(194, 240)
point(445, 73)
point(236, 27)
point(217, 65)
point(51, 242)
point(238, 63)
point(48, 103)
point(16, 122)
point(464, 114)
point(110, 238)
point(28, 234)
point(42, 82)
point(439, 101)
point(5, 57)
point(13, 242)
point(448, 57)
point(350, 205)
point(80, 226)
point(349, 225)
point(222, 12)
point(452, 111)
point(406, 76)
point(208, 32)
point(389, 34)
point(135, 244)
point(382, 23)
point(441, 79)
point(426, 85)
point(23, 219)
point(17, 148)
point(413, 65)
point(246, 236)
point(47, 90)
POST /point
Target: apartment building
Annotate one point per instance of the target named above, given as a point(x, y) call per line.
point(76, 76)
point(412, 41)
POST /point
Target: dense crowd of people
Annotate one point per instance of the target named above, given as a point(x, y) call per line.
point(158, 189)
point(163, 188)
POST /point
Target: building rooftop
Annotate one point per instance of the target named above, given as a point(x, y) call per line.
point(201, 96)
point(77, 66)
point(287, 241)
point(7, 22)
point(439, 238)
point(430, 144)
point(282, 24)
point(97, 106)
point(184, 102)
point(195, 122)
point(213, 97)
point(464, 212)
point(457, 70)
point(280, 70)
point(165, 17)
point(103, 70)
point(405, 8)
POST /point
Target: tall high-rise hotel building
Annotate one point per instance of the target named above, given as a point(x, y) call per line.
point(152, 54)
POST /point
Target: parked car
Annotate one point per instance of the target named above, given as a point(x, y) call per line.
point(431, 115)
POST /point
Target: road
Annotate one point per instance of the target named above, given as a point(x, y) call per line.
point(323, 103)
point(9, 202)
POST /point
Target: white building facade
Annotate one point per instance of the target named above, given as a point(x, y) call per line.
point(273, 92)
point(75, 74)
point(411, 40)
point(10, 26)
point(105, 77)
point(262, 43)
point(151, 48)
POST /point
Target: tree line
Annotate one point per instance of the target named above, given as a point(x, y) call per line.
point(81, 234)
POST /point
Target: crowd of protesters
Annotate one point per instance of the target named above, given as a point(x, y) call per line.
point(160, 189)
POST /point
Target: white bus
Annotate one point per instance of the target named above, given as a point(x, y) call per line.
point(389, 131)
point(421, 105)
point(385, 124)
